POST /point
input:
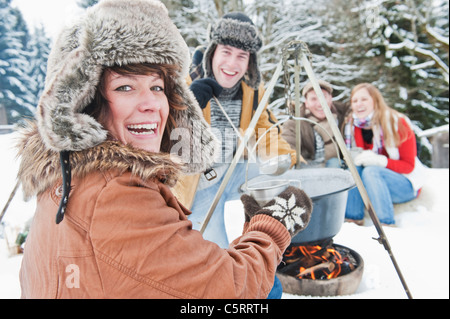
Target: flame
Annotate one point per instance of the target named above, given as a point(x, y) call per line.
point(325, 264)
point(291, 252)
point(309, 250)
point(338, 262)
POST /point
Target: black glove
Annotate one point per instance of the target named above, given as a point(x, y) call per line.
point(292, 208)
point(205, 89)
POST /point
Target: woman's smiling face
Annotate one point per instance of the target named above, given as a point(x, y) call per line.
point(362, 103)
point(138, 109)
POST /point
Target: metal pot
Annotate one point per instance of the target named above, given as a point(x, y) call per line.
point(265, 191)
point(328, 189)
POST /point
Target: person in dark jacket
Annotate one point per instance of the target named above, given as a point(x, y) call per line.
point(318, 145)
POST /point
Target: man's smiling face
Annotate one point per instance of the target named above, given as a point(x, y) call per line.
point(229, 65)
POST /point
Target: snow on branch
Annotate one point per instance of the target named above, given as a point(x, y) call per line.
point(423, 52)
point(424, 65)
point(433, 131)
point(428, 106)
point(436, 35)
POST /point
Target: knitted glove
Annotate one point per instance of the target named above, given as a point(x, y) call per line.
point(292, 208)
point(369, 158)
point(204, 90)
point(251, 207)
point(355, 151)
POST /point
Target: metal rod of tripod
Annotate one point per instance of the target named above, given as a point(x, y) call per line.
point(347, 157)
point(298, 140)
point(11, 196)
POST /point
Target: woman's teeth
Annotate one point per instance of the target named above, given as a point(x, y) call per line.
point(142, 129)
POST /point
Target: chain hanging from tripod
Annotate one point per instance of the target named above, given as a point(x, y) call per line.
point(292, 49)
point(299, 50)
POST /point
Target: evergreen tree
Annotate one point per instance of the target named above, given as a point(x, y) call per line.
point(410, 40)
point(193, 17)
point(39, 47)
point(15, 95)
point(284, 21)
point(400, 46)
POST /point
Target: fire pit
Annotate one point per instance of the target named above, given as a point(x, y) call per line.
point(324, 269)
point(313, 265)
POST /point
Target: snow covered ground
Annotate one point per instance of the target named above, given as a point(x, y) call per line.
point(420, 242)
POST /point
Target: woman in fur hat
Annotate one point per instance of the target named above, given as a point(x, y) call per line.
point(98, 158)
point(388, 164)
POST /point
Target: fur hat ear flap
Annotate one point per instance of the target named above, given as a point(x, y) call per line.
point(66, 93)
point(195, 143)
point(253, 76)
point(207, 59)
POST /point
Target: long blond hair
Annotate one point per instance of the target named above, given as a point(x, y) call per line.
point(394, 130)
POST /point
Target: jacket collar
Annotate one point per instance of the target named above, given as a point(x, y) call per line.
point(40, 167)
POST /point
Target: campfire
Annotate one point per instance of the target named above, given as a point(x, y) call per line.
point(318, 261)
point(320, 269)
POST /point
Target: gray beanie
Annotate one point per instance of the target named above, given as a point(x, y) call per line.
point(237, 30)
point(115, 32)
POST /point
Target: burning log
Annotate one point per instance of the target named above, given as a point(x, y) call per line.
point(330, 266)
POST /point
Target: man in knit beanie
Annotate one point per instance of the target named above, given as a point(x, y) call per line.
point(227, 84)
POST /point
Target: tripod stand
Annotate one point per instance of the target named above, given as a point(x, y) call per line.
point(300, 51)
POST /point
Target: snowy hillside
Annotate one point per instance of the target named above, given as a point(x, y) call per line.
point(422, 234)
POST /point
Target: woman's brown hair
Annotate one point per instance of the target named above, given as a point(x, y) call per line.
point(394, 131)
point(99, 106)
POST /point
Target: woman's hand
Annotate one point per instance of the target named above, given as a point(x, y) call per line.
point(369, 158)
point(292, 208)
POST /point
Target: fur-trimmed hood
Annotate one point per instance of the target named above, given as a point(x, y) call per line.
point(116, 32)
point(40, 167)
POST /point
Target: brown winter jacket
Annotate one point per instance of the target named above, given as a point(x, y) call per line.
point(308, 146)
point(124, 234)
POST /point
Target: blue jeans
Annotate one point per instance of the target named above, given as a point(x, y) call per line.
point(277, 290)
point(385, 188)
point(215, 230)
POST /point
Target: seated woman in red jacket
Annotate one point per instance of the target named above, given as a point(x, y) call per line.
point(388, 163)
